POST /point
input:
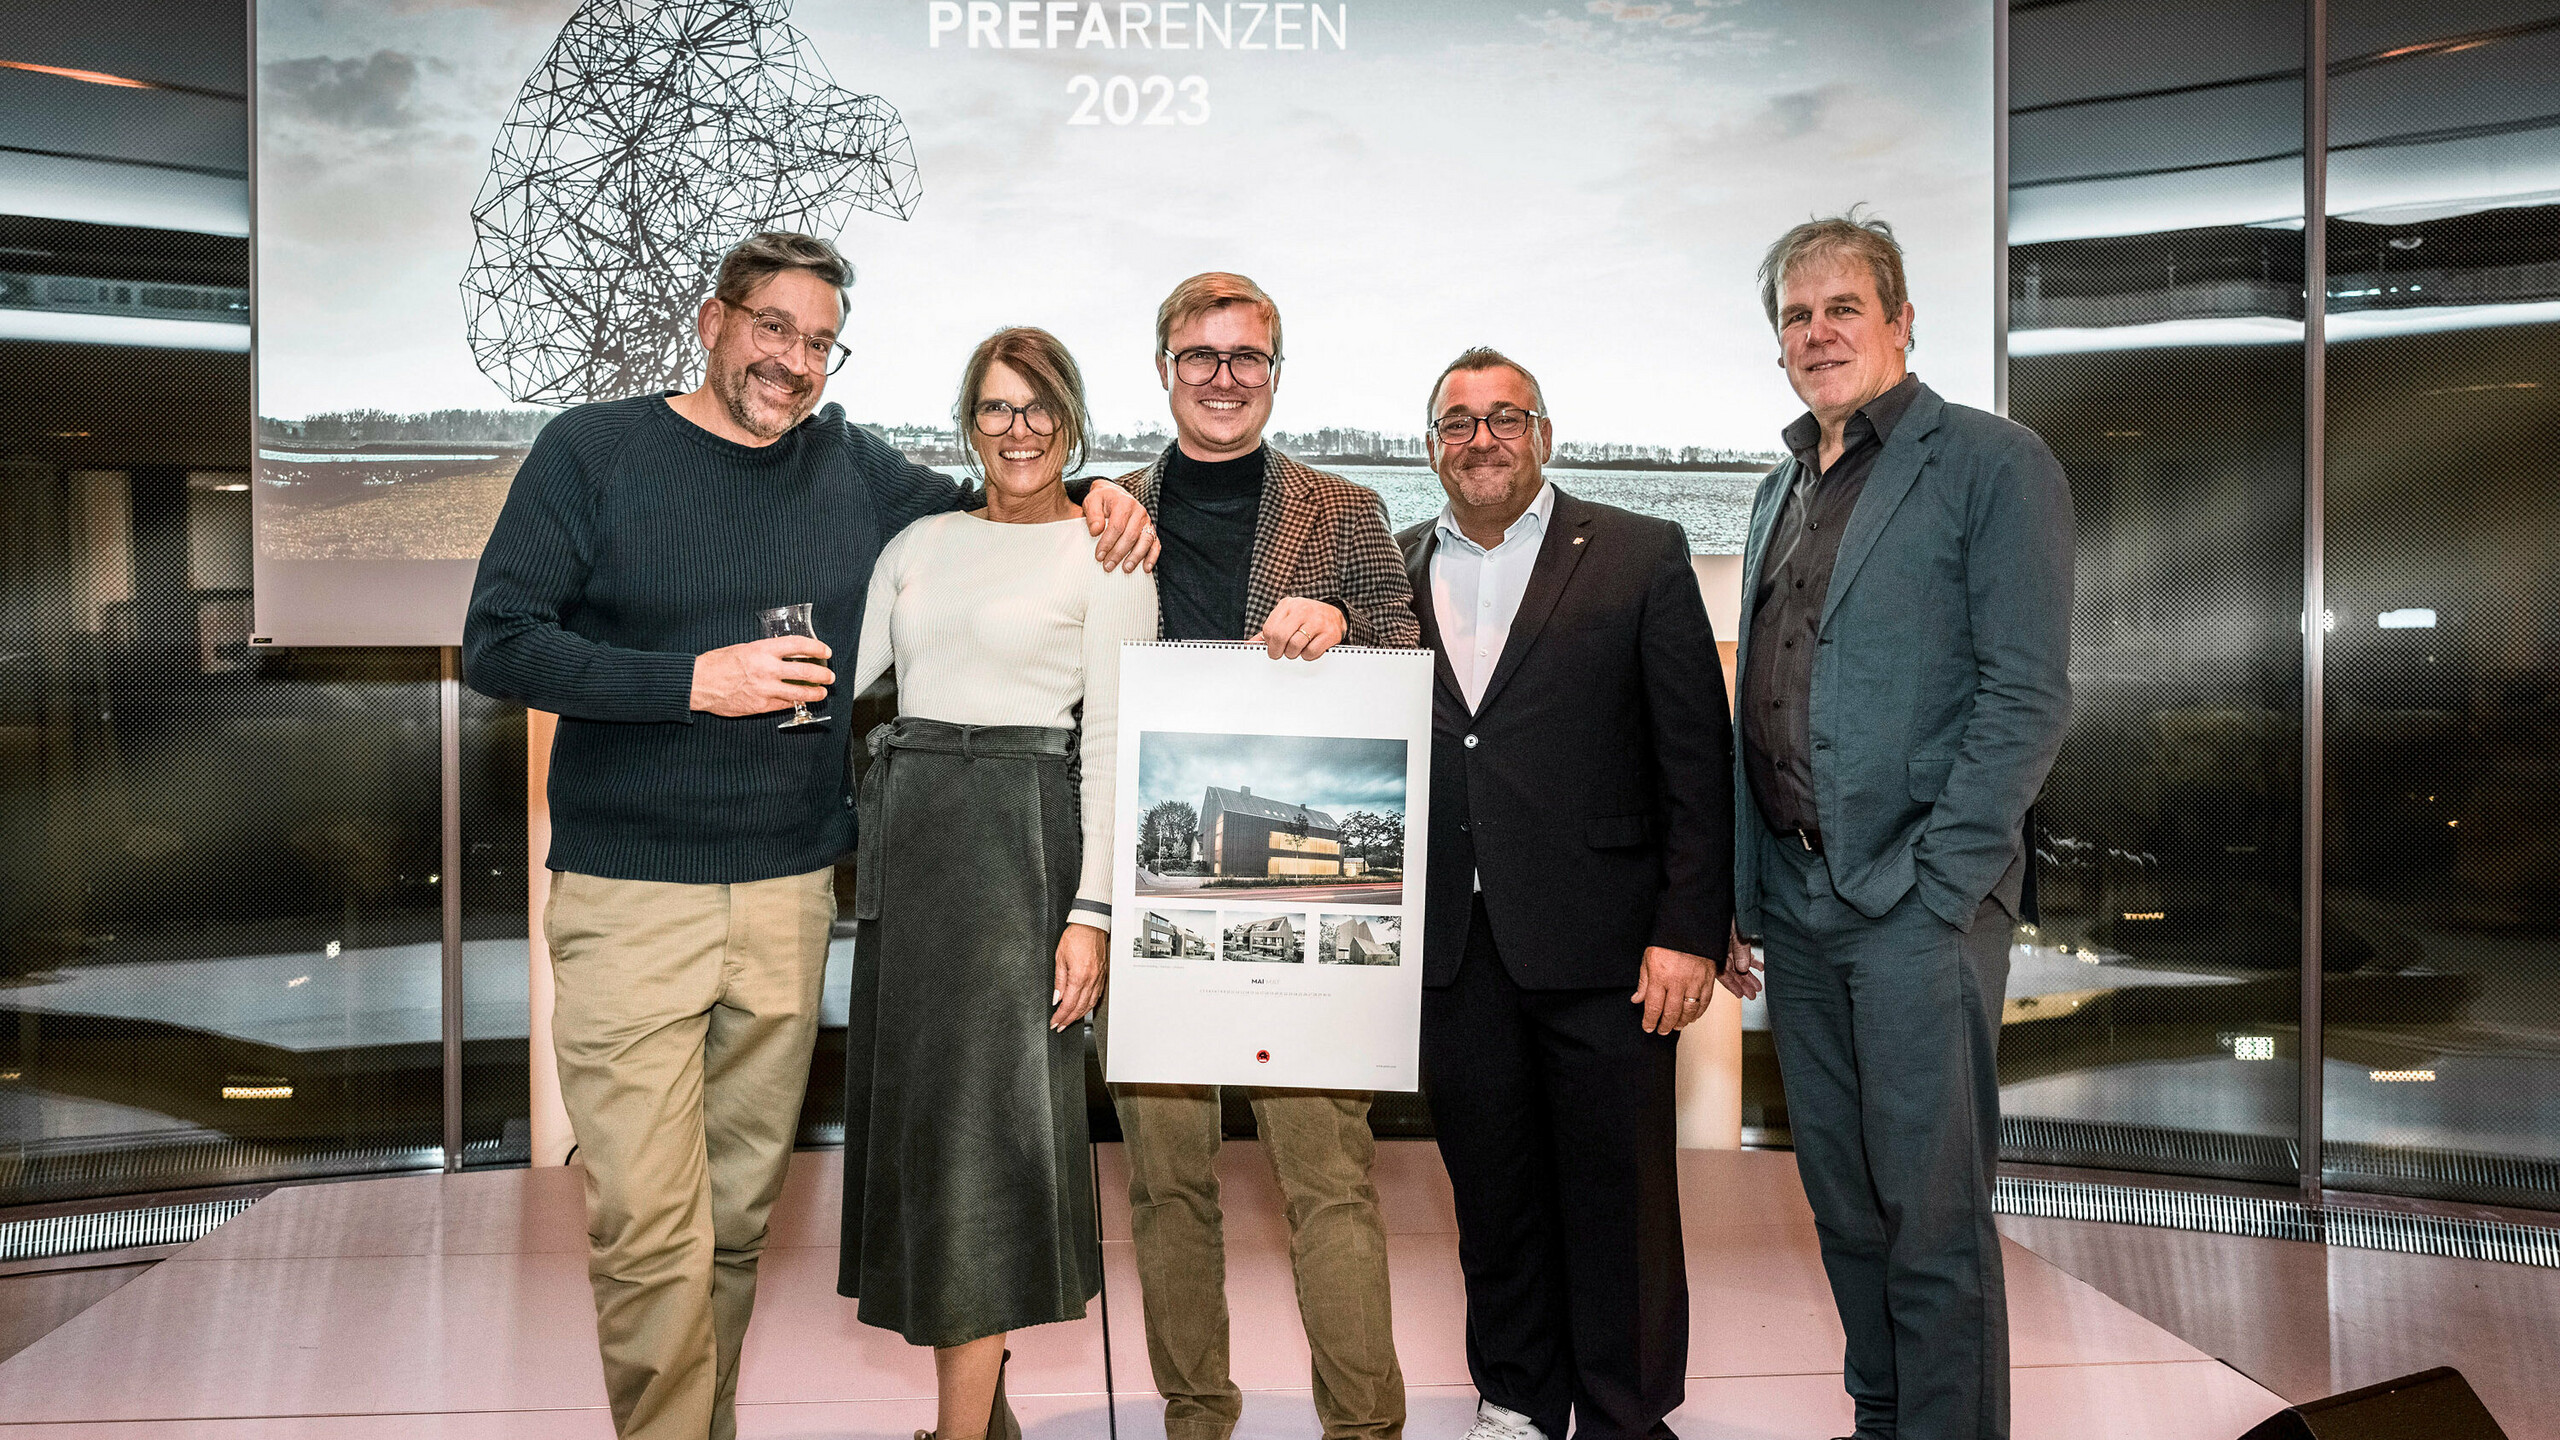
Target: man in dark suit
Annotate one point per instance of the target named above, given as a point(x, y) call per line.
point(1581, 868)
point(1906, 629)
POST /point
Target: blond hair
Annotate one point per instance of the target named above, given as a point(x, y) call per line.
point(1214, 290)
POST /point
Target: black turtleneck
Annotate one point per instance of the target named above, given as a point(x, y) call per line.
point(1205, 515)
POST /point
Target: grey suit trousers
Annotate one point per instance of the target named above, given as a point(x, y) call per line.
point(1888, 1034)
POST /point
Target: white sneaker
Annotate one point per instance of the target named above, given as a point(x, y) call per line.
point(1495, 1423)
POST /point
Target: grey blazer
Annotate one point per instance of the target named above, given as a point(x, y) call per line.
point(1942, 682)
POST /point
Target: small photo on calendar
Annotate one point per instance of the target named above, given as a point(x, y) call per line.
point(1266, 939)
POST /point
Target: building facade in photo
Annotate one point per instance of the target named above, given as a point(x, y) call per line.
point(1243, 834)
point(1354, 943)
point(1163, 939)
point(1277, 939)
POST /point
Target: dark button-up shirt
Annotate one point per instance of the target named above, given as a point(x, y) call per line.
point(1786, 619)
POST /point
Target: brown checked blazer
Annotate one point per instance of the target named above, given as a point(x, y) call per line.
point(1320, 537)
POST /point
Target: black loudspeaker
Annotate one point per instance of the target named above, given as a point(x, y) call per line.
point(2430, 1405)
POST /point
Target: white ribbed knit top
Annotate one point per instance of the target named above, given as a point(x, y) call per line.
point(994, 624)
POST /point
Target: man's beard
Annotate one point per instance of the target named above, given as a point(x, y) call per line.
point(752, 416)
point(1487, 486)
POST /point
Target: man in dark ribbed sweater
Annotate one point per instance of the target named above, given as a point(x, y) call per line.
point(693, 841)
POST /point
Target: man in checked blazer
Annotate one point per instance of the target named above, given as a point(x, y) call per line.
point(1259, 547)
point(1581, 876)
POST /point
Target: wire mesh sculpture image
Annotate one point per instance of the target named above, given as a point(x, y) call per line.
point(653, 136)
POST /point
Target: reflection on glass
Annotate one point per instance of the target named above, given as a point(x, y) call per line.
point(2443, 1045)
point(2156, 311)
point(219, 920)
point(224, 966)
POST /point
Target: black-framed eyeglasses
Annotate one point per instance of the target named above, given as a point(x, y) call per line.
point(1249, 368)
point(775, 335)
point(995, 417)
point(1506, 423)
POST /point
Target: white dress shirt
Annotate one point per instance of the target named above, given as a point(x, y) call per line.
point(1476, 592)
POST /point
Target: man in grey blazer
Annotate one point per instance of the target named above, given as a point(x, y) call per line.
point(1905, 635)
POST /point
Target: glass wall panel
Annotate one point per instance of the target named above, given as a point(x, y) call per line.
point(219, 918)
point(2155, 303)
point(2443, 1037)
point(496, 1016)
point(218, 923)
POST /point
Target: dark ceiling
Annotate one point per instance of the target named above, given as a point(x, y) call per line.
point(202, 47)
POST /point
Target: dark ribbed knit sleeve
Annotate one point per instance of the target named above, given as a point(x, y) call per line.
point(514, 646)
point(904, 491)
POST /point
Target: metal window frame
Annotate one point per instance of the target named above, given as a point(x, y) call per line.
point(449, 888)
point(2309, 1115)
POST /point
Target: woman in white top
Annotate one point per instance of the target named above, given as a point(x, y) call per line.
point(983, 896)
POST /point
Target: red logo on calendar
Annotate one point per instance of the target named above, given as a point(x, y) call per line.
point(1263, 1056)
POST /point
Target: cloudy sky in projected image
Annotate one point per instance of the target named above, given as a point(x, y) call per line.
point(1587, 186)
point(1324, 774)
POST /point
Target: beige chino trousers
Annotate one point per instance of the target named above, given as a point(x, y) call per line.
point(1320, 1149)
point(683, 1027)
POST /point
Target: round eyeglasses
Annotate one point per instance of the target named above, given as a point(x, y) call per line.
point(1248, 368)
point(1505, 423)
point(775, 335)
point(995, 417)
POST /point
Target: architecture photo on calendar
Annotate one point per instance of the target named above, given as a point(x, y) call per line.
point(1276, 818)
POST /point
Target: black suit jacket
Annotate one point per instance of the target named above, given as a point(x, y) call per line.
point(1593, 787)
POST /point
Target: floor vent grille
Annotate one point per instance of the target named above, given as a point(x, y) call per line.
point(47, 1171)
point(2352, 1227)
point(44, 1172)
point(2424, 1171)
point(57, 1235)
point(2102, 1145)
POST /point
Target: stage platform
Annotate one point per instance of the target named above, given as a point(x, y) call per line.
point(456, 1308)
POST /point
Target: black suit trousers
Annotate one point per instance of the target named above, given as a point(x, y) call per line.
point(1555, 1114)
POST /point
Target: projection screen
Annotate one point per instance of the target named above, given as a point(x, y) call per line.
point(470, 214)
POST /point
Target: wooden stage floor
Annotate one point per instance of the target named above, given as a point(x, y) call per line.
point(456, 1308)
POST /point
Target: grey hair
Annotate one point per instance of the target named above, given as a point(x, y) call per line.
point(1483, 357)
point(768, 253)
point(1860, 236)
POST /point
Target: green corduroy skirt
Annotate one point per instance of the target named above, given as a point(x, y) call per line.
point(968, 1192)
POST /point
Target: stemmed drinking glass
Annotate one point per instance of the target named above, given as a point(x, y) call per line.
point(784, 620)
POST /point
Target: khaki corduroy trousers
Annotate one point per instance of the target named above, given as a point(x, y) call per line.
point(683, 1027)
point(1320, 1149)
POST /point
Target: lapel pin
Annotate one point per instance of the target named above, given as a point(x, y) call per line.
point(1578, 539)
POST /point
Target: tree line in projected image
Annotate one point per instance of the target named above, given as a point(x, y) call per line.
point(377, 427)
point(1169, 834)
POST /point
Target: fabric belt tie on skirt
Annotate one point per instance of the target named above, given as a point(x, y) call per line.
point(971, 742)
